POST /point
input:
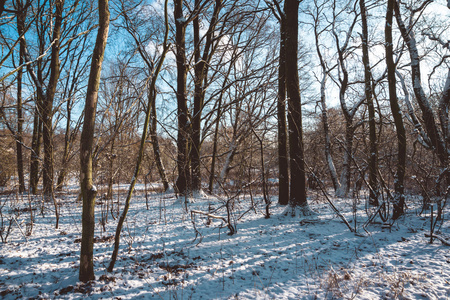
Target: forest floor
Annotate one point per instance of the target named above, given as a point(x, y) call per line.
point(167, 253)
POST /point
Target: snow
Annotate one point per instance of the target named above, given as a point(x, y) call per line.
point(162, 256)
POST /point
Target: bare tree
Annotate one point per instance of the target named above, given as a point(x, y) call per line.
point(201, 72)
point(399, 197)
point(184, 129)
point(21, 16)
point(373, 150)
point(134, 26)
point(438, 138)
point(298, 203)
point(142, 143)
point(343, 49)
point(283, 156)
point(47, 105)
point(88, 190)
point(316, 15)
point(74, 69)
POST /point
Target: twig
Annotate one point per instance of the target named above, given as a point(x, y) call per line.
point(333, 207)
point(446, 243)
point(20, 228)
point(228, 224)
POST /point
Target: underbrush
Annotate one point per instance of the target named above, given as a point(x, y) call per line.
point(169, 253)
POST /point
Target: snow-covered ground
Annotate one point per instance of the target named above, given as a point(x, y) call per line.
point(163, 256)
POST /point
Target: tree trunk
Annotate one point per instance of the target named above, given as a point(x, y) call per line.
point(47, 107)
point(263, 174)
point(373, 155)
point(399, 197)
point(349, 112)
point(65, 157)
point(200, 73)
point(38, 80)
point(214, 151)
point(283, 158)
point(2, 6)
point(228, 160)
point(155, 144)
point(198, 106)
point(88, 190)
point(324, 115)
point(21, 16)
point(326, 131)
point(111, 175)
point(297, 196)
point(35, 148)
point(183, 183)
point(346, 173)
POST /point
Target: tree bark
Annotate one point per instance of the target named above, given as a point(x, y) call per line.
point(283, 158)
point(2, 6)
point(47, 107)
point(88, 190)
point(36, 143)
point(111, 175)
point(399, 197)
point(346, 165)
point(183, 183)
point(214, 151)
point(373, 155)
point(198, 105)
point(21, 16)
point(35, 147)
point(297, 196)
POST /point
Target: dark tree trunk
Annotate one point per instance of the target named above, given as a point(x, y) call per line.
point(111, 175)
point(2, 6)
point(200, 73)
point(198, 105)
point(373, 155)
point(297, 196)
point(88, 190)
point(21, 15)
point(183, 183)
point(47, 110)
point(65, 158)
point(283, 158)
point(38, 80)
point(47, 107)
point(35, 148)
point(399, 198)
point(214, 151)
